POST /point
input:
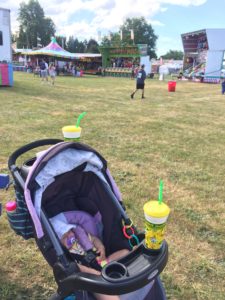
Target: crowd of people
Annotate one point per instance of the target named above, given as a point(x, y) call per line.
point(46, 70)
point(122, 62)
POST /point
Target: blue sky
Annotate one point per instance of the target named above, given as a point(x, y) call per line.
point(83, 19)
point(178, 20)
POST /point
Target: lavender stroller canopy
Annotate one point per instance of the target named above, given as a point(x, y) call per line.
point(57, 160)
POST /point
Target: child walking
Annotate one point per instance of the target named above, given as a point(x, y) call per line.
point(52, 72)
point(140, 84)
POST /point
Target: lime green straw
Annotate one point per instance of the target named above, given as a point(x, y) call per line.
point(79, 118)
point(160, 192)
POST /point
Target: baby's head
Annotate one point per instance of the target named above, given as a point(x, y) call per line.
point(68, 239)
point(71, 243)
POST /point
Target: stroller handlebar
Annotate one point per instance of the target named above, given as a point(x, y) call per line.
point(39, 143)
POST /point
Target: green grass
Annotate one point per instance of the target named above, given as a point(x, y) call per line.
point(178, 137)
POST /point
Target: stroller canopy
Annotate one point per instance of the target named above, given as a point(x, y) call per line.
point(57, 160)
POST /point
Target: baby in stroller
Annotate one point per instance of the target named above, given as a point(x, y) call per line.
point(79, 232)
point(64, 186)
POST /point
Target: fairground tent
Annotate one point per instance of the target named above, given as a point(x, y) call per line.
point(53, 49)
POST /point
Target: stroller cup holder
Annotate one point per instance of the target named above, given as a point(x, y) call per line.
point(26, 167)
point(114, 271)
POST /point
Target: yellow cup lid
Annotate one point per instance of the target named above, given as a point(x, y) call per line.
point(71, 128)
point(155, 209)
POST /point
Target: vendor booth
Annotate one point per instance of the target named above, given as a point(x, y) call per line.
point(119, 61)
point(63, 59)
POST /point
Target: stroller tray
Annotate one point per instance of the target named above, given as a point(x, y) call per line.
point(128, 274)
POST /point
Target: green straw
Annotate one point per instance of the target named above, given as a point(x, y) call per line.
point(160, 192)
point(79, 118)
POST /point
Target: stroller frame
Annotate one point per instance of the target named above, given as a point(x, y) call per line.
point(125, 275)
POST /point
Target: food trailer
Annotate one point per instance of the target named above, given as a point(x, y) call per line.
point(204, 54)
point(119, 61)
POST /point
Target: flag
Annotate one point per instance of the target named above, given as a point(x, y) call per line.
point(39, 42)
point(121, 35)
point(99, 36)
point(132, 34)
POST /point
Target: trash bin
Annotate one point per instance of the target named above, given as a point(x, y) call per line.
point(172, 86)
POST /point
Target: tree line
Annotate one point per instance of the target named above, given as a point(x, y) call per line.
point(36, 30)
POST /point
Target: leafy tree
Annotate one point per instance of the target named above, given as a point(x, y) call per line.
point(143, 34)
point(61, 40)
point(48, 31)
point(71, 44)
point(92, 46)
point(76, 46)
point(33, 25)
point(174, 54)
point(13, 37)
point(113, 40)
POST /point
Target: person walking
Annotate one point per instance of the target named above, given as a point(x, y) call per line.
point(140, 83)
point(52, 73)
point(44, 70)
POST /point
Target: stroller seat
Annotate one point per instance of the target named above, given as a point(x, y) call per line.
point(72, 176)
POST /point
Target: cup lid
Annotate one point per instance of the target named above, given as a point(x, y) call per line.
point(155, 209)
point(71, 128)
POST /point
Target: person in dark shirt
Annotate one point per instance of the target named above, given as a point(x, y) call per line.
point(140, 84)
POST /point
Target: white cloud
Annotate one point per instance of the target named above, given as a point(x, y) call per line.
point(184, 2)
point(73, 17)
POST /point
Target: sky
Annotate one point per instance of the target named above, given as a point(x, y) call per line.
point(85, 19)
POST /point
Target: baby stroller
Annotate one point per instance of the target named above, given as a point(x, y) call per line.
point(69, 176)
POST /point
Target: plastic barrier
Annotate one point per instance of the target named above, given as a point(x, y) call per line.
point(172, 86)
point(6, 75)
point(19, 68)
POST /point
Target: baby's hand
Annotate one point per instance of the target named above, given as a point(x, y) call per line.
point(99, 247)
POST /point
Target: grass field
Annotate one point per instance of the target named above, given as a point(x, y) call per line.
point(178, 137)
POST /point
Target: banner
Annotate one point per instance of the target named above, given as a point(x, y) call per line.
point(143, 49)
point(99, 36)
point(124, 51)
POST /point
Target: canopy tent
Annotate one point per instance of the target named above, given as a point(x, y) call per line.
point(53, 49)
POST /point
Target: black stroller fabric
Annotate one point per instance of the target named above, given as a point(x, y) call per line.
point(78, 190)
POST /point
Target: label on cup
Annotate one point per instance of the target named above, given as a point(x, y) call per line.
point(154, 235)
